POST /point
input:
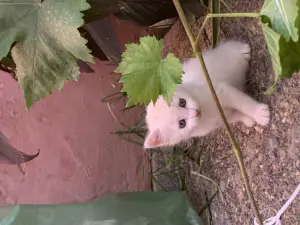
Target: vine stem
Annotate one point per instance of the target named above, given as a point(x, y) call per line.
point(222, 15)
point(236, 147)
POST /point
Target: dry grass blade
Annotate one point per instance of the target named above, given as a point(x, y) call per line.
point(207, 178)
point(114, 97)
point(207, 206)
point(158, 183)
point(115, 118)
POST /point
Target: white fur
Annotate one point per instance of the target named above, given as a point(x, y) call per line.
point(227, 66)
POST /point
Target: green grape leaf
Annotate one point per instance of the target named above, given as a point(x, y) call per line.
point(48, 43)
point(272, 40)
point(283, 15)
point(289, 57)
point(146, 75)
point(285, 55)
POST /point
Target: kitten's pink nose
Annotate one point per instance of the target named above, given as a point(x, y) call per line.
point(195, 113)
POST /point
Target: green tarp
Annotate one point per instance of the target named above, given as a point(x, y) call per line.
point(141, 208)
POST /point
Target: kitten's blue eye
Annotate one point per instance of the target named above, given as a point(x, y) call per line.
point(182, 124)
point(182, 102)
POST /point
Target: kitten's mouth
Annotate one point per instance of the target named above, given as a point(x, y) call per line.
point(198, 113)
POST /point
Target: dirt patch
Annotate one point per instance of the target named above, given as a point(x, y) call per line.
point(271, 154)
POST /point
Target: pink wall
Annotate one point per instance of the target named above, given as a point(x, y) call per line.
point(79, 159)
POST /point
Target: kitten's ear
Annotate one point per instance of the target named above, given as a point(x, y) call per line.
point(153, 140)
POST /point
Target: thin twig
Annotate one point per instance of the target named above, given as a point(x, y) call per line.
point(234, 143)
point(222, 15)
point(250, 33)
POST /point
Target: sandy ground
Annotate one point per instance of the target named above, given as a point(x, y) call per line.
point(271, 154)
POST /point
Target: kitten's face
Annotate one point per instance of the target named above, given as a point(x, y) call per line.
point(168, 125)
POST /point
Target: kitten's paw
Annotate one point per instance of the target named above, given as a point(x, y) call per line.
point(249, 122)
point(262, 114)
point(246, 51)
point(237, 116)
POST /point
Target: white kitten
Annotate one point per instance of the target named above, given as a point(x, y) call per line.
point(193, 112)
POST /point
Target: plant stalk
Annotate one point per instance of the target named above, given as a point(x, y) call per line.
point(222, 15)
point(234, 143)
